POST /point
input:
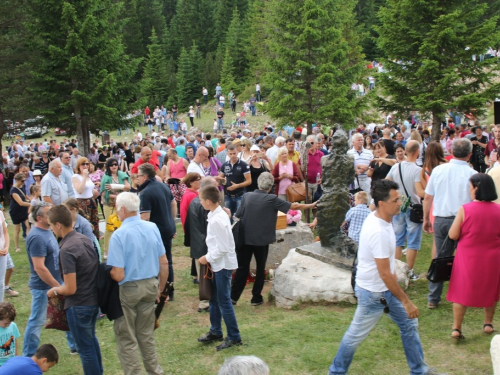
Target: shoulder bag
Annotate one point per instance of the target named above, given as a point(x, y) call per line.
point(440, 268)
point(355, 190)
point(56, 315)
point(205, 281)
point(296, 192)
point(416, 210)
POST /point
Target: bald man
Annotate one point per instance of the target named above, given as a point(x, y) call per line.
point(147, 156)
point(196, 164)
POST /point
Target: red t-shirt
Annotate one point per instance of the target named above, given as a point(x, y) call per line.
point(188, 196)
point(146, 111)
point(490, 146)
point(151, 161)
point(313, 166)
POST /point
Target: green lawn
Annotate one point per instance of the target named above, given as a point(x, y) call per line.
point(299, 341)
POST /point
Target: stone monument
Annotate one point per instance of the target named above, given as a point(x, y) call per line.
point(338, 172)
point(321, 272)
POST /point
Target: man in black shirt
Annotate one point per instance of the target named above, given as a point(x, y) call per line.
point(220, 118)
point(237, 175)
point(158, 206)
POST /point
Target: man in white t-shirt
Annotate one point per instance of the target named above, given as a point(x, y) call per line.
point(407, 231)
point(377, 288)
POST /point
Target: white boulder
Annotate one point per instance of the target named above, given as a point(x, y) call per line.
point(495, 354)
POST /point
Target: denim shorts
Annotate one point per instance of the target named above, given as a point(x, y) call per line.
point(407, 231)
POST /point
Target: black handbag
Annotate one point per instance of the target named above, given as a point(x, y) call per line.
point(205, 282)
point(440, 268)
point(356, 190)
point(237, 229)
point(416, 210)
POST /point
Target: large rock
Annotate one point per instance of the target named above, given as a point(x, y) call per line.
point(286, 239)
point(495, 354)
point(301, 278)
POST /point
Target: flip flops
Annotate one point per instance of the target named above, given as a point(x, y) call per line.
point(489, 326)
point(458, 337)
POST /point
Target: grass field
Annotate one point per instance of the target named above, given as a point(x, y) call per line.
point(298, 341)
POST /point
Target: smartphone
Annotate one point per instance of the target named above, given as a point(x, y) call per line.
point(260, 155)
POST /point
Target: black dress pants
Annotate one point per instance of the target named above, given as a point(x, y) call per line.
point(240, 279)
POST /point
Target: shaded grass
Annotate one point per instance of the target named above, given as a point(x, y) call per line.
point(299, 341)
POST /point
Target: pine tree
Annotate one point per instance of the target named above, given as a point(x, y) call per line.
point(314, 59)
point(227, 75)
point(257, 49)
point(236, 43)
point(132, 35)
point(154, 89)
point(82, 75)
point(188, 77)
point(429, 57)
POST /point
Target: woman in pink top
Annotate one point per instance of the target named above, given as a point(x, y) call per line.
point(173, 171)
point(285, 173)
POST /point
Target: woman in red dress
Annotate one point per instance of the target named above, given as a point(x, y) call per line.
point(475, 279)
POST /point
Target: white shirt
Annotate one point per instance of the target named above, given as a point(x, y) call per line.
point(139, 135)
point(376, 241)
point(220, 243)
point(205, 92)
point(272, 153)
point(257, 87)
point(449, 184)
point(196, 168)
point(363, 157)
point(411, 174)
point(89, 187)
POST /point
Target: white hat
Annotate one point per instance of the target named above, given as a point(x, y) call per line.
point(255, 148)
point(37, 172)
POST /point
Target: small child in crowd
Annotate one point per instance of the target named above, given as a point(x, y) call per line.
point(45, 357)
point(222, 258)
point(9, 333)
point(356, 216)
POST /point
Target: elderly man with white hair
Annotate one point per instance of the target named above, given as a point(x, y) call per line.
point(244, 365)
point(362, 159)
point(314, 169)
point(54, 190)
point(137, 255)
point(272, 153)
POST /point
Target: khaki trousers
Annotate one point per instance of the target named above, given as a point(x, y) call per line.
point(134, 330)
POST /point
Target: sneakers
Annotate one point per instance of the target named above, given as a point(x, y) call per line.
point(9, 292)
point(413, 276)
point(256, 301)
point(73, 352)
point(206, 309)
point(210, 337)
point(227, 344)
point(431, 305)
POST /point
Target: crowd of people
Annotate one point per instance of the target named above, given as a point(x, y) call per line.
point(213, 180)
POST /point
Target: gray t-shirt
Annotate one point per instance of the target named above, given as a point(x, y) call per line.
point(78, 256)
point(411, 174)
point(42, 243)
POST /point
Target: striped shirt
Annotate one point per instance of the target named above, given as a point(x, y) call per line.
point(363, 157)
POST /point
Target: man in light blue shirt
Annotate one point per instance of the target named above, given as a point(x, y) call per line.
point(67, 172)
point(54, 190)
point(448, 189)
point(137, 255)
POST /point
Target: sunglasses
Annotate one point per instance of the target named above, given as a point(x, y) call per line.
point(113, 165)
point(85, 164)
point(386, 307)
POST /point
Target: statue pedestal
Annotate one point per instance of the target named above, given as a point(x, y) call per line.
point(305, 279)
point(325, 255)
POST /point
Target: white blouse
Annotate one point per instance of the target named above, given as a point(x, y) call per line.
point(89, 187)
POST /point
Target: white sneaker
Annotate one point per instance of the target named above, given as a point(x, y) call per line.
point(9, 292)
point(404, 251)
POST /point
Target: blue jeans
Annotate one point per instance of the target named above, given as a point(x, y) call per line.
point(221, 124)
point(81, 321)
point(221, 306)
point(367, 314)
point(407, 231)
point(232, 203)
point(252, 108)
point(36, 322)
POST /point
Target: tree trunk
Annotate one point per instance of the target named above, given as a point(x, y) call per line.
point(2, 129)
point(436, 126)
point(82, 133)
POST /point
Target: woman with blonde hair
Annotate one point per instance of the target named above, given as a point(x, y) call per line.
point(285, 173)
point(415, 136)
point(85, 193)
point(245, 153)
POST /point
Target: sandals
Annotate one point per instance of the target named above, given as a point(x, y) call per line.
point(489, 326)
point(459, 337)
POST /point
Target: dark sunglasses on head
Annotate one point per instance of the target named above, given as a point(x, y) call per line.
point(386, 307)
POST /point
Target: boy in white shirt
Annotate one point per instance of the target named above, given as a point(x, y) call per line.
point(222, 258)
